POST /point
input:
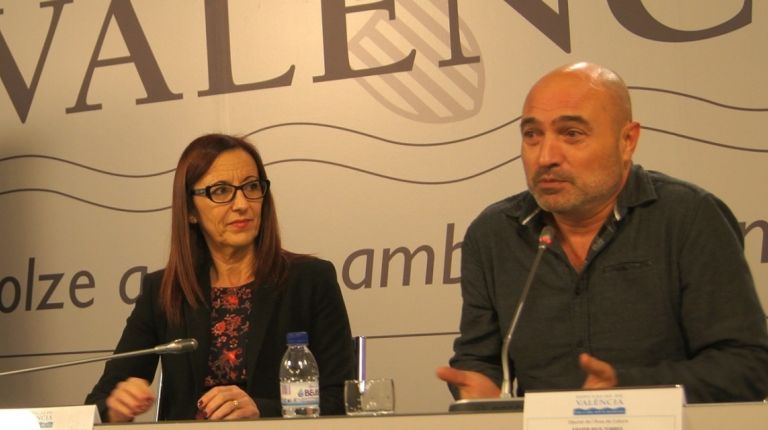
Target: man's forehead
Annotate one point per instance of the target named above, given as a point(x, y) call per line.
point(564, 99)
point(559, 94)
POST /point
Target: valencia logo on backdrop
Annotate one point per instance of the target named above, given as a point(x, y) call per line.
point(427, 21)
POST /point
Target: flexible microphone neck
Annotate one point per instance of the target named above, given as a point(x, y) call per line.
point(545, 239)
point(178, 346)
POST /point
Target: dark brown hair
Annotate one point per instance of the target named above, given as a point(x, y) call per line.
point(189, 257)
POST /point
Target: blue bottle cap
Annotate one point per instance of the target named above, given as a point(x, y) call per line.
point(297, 338)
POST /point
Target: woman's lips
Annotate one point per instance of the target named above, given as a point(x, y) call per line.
point(240, 223)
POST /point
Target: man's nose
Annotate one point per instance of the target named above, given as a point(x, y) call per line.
point(550, 150)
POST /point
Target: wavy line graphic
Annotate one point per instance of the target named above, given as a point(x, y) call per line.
point(380, 138)
point(708, 142)
point(294, 160)
point(489, 131)
point(70, 196)
point(372, 137)
point(84, 166)
point(701, 99)
point(393, 178)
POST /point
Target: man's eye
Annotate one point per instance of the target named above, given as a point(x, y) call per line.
point(529, 134)
point(573, 132)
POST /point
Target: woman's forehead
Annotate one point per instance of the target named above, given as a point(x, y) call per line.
point(236, 162)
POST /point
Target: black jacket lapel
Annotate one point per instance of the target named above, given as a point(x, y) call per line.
point(264, 298)
point(198, 326)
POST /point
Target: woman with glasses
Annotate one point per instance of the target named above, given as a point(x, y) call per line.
point(231, 286)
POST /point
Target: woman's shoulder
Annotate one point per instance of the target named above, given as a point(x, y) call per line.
point(310, 279)
point(301, 264)
point(150, 282)
point(154, 278)
point(307, 271)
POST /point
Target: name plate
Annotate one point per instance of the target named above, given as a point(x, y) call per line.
point(56, 418)
point(658, 408)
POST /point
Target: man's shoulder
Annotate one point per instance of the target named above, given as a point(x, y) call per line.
point(678, 192)
point(677, 199)
point(674, 187)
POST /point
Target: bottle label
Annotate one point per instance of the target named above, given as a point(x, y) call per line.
point(300, 393)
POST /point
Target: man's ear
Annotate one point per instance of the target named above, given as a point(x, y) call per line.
point(630, 134)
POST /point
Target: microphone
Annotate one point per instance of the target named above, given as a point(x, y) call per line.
point(178, 346)
point(506, 402)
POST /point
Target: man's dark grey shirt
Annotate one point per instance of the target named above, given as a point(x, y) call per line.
point(665, 296)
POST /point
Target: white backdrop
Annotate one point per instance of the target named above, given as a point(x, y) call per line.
point(368, 165)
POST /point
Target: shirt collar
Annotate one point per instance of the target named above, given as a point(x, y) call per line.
point(637, 191)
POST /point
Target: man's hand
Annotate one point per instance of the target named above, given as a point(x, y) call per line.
point(471, 385)
point(599, 373)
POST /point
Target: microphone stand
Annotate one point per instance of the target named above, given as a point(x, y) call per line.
point(178, 346)
point(506, 402)
point(360, 350)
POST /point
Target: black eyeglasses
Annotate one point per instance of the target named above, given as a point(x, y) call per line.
point(225, 193)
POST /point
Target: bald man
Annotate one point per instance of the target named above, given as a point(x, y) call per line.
point(646, 284)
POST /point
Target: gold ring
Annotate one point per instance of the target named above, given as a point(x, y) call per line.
point(235, 404)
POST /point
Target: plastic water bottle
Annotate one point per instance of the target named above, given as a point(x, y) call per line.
point(299, 379)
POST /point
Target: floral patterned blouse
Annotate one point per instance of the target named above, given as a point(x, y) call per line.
point(230, 311)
